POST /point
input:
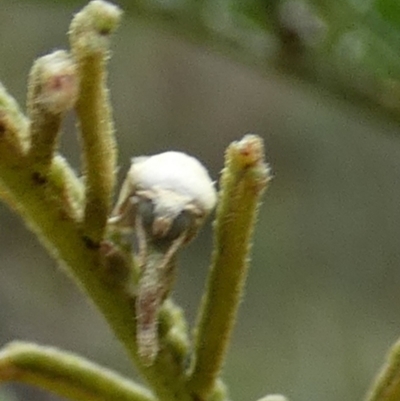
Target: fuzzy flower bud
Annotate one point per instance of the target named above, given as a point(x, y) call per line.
point(53, 90)
point(53, 83)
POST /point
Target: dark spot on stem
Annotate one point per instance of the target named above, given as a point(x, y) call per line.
point(89, 243)
point(196, 397)
point(39, 178)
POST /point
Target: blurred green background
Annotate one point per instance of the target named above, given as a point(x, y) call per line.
point(322, 304)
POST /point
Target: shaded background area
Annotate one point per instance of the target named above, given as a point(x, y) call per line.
point(322, 300)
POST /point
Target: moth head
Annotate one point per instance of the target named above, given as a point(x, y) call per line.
point(171, 194)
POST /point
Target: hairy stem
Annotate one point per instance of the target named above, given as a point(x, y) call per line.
point(244, 178)
point(13, 130)
point(71, 220)
point(89, 36)
point(108, 289)
point(66, 374)
point(51, 209)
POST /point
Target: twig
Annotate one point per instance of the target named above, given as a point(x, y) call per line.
point(66, 374)
point(89, 37)
point(243, 180)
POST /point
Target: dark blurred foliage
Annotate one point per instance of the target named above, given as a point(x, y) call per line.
point(322, 301)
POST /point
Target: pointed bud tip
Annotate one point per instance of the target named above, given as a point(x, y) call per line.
point(248, 153)
point(250, 149)
point(105, 16)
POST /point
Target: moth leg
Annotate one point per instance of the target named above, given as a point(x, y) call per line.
point(142, 243)
point(154, 286)
point(124, 215)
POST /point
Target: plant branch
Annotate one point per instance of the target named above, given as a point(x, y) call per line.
point(66, 374)
point(54, 208)
point(47, 215)
point(89, 37)
point(243, 180)
point(51, 209)
point(13, 130)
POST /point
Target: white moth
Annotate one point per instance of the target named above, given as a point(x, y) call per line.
point(165, 198)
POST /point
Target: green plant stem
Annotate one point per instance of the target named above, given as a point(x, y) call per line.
point(47, 217)
point(53, 209)
point(243, 180)
point(387, 384)
point(64, 184)
point(66, 374)
point(50, 209)
point(13, 129)
point(89, 37)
